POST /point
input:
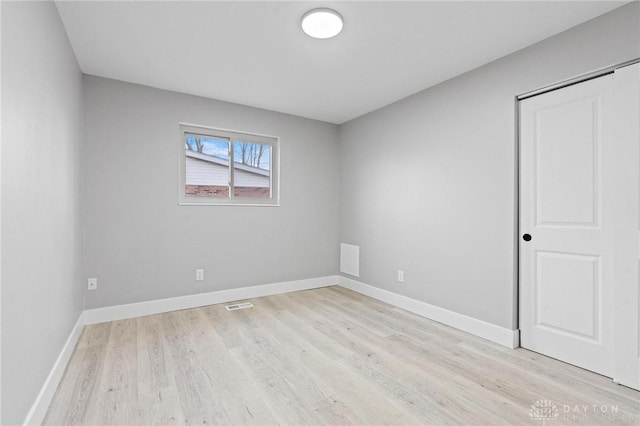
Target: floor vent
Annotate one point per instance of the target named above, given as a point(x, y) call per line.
point(238, 306)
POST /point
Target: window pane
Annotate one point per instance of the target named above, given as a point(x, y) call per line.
point(207, 166)
point(251, 170)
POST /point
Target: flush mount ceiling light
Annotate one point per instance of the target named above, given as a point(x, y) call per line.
point(322, 23)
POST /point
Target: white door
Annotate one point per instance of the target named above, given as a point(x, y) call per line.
point(566, 207)
point(626, 123)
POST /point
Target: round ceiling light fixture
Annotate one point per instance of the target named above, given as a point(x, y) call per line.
point(322, 23)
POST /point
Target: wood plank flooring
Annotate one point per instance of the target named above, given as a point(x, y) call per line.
point(320, 357)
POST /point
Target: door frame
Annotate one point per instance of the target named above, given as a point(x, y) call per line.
point(517, 178)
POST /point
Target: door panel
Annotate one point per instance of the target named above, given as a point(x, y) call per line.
point(562, 277)
point(566, 268)
point(567, 196)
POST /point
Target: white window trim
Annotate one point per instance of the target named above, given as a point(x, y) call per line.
point(273, 141)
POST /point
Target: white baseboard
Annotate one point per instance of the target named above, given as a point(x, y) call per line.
point(43, 400)
point(470, 325)
point(94, 316)
point(132, 310)
point(492, 332)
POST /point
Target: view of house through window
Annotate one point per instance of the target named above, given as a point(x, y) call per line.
point(222, 167)
point(207, 167)
point(251, 162)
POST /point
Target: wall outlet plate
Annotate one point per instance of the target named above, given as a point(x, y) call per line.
point(400, 276)
point(199, 274)
point(92, 284)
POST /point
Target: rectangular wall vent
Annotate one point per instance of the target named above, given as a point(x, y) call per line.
point(350, 259)
point(237, 306)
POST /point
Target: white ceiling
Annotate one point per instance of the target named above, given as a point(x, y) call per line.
point(254, 53)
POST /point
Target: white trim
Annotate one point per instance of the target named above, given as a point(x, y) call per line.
point(94, 316)
point(132, 310)
point(274, 176)
point(43, 400)
point(500, 335)
point(226, 204)
point(0, 216)
point(222, 129)
point(494, 333)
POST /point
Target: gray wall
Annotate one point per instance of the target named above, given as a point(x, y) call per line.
point(142, 245)
point(427, 183)
point(41, 128)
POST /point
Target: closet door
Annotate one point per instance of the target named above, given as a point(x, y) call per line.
point(580, 224)
point(566, 224)
point(626, 122)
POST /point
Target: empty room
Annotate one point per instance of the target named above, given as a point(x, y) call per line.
point(320, 213)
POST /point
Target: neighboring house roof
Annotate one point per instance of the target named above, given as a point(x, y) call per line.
point(223, 162)
point(207, 170)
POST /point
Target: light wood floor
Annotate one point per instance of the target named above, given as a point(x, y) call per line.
point(325, 356)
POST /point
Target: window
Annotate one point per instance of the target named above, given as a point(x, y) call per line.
point(226, 167)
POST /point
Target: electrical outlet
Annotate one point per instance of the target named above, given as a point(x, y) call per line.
point(400, 276)
point(199, 274)
point(92, 284)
